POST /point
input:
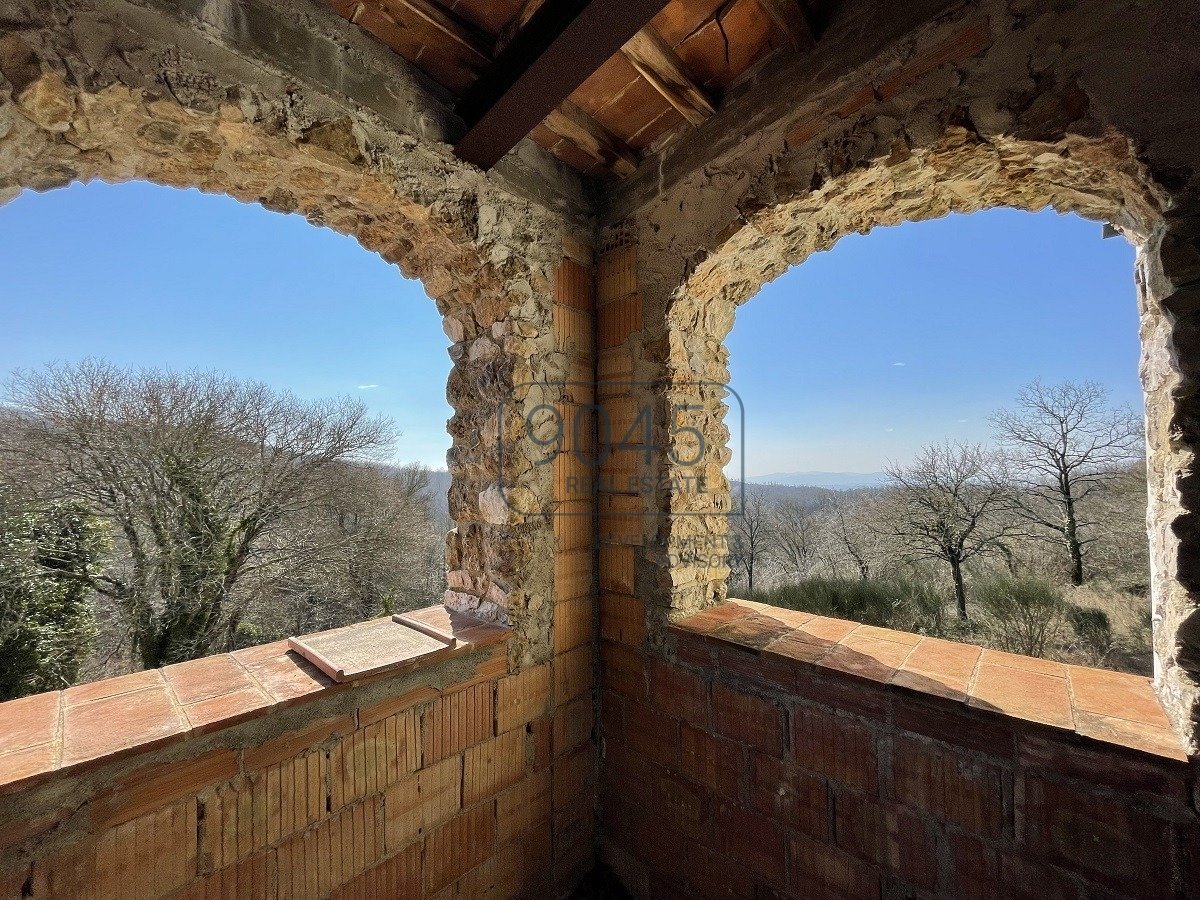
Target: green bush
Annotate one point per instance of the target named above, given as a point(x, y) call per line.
point(890, 603)
point(46, 616)
point(1093, 632)
point(1024, 615)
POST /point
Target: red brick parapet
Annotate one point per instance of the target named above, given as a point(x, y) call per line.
point(776, 753)
point(254, 775)
point(83, 727)
point(789, 647)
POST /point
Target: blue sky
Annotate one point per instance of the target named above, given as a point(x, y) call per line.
point(917, 333)
point(857, 357)
point(151, 276)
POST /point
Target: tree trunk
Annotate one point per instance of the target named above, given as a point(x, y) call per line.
point(960, 589)
point(1074, 548)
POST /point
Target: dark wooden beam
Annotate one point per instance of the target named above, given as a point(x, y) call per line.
point(563, 44)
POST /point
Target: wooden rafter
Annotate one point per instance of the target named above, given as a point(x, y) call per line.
point(573, 124)
point(449, 25)
point(562, 45)
point(791, 18)
point(657, 62)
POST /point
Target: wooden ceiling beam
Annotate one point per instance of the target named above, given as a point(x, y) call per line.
point(562, 45)
point(656, 61)
point(449, 25)
point(573, 124)
point(791, 18)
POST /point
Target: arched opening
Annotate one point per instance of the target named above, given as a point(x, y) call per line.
point(343, 171)
point(945, 436)
point(223, 429)
point(1097, 178)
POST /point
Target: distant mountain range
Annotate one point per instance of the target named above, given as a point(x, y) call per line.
point(833, 481)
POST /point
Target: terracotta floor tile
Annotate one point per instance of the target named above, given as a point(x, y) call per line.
point(934, 656)
point(112, 687)
point(21, 765)
point(828, 629)
point(888, 634)
point(29, 721)
point(1160, 741)
point(752, 605)
point(468, 629)
point(226, 710)
point(1125, 696)
point(1024, 694)
point(947, 687)
point(796, 645)
point(866, 657)
point(792, 618)
point(755, 630)
point(1026, 663)
point(714, 617)
point(438, 617)
point(201, 679)
point(284, 675)
point(108, 727)
point(482, 634)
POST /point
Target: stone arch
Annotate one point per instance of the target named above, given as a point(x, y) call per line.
point(1100, 178)
point(438, 221)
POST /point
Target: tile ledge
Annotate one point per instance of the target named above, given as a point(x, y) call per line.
point(273, 676)
point(1157, 740)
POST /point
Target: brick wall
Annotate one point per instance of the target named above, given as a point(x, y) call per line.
point(436, 792)
point(731, 771)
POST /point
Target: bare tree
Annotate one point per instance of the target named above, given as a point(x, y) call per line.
point(374, 552)
point(1065, 441)
point(794, 538)
point(199, 475)
point(951, 504)
point(751, 534)
point(851, 535)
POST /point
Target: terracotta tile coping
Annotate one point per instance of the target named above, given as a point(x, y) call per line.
point(1098, 704)
point(107, 720)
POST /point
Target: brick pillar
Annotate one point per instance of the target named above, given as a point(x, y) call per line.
point(574, 641)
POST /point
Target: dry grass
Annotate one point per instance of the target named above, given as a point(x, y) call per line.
point(1129, 615)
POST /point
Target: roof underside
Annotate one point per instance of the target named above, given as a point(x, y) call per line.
point(667, 78)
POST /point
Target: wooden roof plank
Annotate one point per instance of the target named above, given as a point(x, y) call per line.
point(564, 42)
point(792, 20)
point(571, 123)
point(446, 23)
point(655, 61)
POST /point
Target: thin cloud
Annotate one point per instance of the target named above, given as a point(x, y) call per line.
point(899, 365)
point(367, 387)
